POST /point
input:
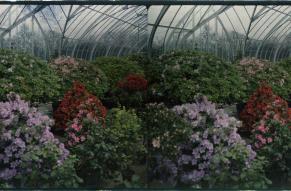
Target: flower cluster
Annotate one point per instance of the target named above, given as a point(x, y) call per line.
point(25, 137)
point(133, 82)
point(253, 71)
point(215, 133)
point(71, 69)
point(77, 105)
point(251, 66)
point(263, 134)
point(64, 64)
point(214, 147)
point(263, 105)
point(75, 101)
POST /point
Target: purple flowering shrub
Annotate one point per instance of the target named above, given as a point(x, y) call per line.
point(215, 155)
point(30, 155)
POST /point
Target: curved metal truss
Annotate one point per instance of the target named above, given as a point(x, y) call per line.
point(80, 28)
point(226, 30)
point(83, 31)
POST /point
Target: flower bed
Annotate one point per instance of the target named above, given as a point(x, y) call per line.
point(156, 129)
point(30, 154)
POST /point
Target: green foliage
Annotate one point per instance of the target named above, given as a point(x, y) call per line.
point(277, 152)
point(128, 99)
point(152, 69)
point(285, 64)
point(51, 174)
point(254, 71)
point(117, 68)
point(5, 185)
point(187, 74)
point(111, 149)
point(126, 126)
point(27, 76)
point(65, 176)
point(248, 176)
point(163, 130)
point(71, 69)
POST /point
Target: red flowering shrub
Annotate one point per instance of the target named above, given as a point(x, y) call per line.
point(133, 82)
point(78, 102)
point(263, 105)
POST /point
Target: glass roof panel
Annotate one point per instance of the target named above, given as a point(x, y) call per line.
point(84, 31)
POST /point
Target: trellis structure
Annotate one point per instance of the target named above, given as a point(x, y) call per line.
point(86, 29)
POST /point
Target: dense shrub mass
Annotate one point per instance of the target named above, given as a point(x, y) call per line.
point(130, 91)
point(27, 76)
point(30, 155)
point(71, 69)
point(117, 68)
point(215, 155)
point(133, 82)
point(263, 105)
point(186, 74)
point(163, 130)
point(109, 151)
point(152, 69)
point(78, 102)
point(272, 139)
point(156, 131)
point(253, 71)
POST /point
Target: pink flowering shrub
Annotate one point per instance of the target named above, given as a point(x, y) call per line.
point(253, 71)
point(71, 69)
point(29, 152)
point(272, 139)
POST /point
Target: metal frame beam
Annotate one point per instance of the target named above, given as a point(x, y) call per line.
point(22, 19)
point(150, 2)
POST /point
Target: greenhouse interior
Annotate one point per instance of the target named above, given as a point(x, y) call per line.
point(145, 94)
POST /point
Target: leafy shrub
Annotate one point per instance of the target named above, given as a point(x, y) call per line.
point(263, 104)
point(109, 150)
point(253, 71)
point(151, 67)
point(272, 139)
point(117, 68)
point(163, 130)
point(27, 76)
point(130, 91)
point(186, 74)
point(30, 155)
point(126, 126)
point(215, 154)
point(133, 82)
point(71, 69)
point(78, 102)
